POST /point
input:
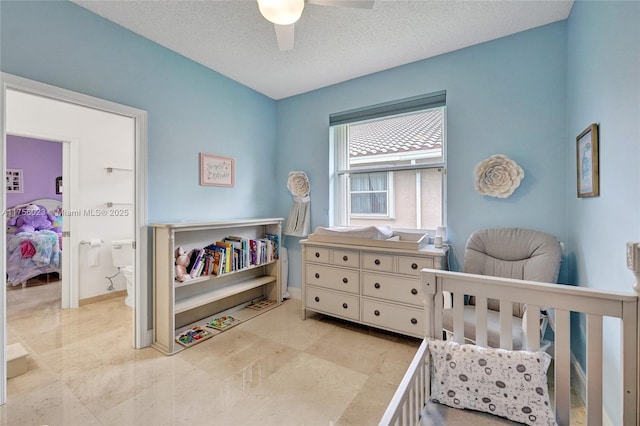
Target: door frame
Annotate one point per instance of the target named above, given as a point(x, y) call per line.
point(143, 332)
point(70, 294)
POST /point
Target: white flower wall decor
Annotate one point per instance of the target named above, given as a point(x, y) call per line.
point(299, 221)
point(498, 176)
point(298, 184)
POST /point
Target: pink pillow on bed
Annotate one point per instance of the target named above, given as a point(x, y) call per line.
point(510, 384)
point(27, 249)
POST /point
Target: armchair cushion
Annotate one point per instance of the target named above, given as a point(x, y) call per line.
point(513, 253)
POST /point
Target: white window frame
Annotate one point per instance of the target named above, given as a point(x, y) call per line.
point(340, 194)
point(391, 201)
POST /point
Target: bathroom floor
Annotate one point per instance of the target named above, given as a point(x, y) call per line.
point(275, 369)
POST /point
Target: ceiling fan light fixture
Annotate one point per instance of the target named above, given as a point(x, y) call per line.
point(281, 12)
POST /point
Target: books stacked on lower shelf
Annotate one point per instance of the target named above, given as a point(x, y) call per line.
point(193, 336)
point(223, 323)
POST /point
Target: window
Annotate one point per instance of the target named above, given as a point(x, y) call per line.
point(388, 164)
point(369, 194)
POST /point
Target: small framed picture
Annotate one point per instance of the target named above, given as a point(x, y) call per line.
point(587, 162)
point(216, 170)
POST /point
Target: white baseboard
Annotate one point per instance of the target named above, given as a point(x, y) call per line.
point(295, 292)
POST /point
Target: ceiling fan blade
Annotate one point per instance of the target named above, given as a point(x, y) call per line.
point(362, 4)
point(284, 34)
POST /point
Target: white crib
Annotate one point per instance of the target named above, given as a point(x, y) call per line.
point(413, 393)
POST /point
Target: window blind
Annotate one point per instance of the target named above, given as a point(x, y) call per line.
point(415, 103)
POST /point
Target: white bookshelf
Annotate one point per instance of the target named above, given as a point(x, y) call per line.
point(178, 306)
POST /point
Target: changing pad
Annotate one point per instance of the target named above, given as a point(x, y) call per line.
point(371, 232)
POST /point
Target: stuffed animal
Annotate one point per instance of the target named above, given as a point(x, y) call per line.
point(32, 218)
point(182, 260)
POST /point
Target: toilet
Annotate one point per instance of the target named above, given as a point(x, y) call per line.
point(123, 255)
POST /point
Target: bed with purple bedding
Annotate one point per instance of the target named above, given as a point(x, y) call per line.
point(33, 252)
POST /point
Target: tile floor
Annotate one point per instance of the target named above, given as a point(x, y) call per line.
point(273, 370)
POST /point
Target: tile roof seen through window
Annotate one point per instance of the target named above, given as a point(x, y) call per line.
point(409, 133)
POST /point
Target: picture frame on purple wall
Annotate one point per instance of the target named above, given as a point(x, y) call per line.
point(14, 182)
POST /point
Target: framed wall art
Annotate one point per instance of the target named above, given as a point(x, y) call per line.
point(216, 170)
point(587, 162)
point(59, 185)
point(14, 180)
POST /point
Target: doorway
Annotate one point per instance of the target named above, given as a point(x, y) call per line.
point(35, 169)
point(70, 100)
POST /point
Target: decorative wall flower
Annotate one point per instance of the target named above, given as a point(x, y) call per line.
point(299, 221)
point(298, 184)
point(498, 176)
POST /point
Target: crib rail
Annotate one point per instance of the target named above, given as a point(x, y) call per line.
point(561, 300)
point(411, 395)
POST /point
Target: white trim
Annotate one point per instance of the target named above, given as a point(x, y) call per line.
point(3, 254)
point(13, 82)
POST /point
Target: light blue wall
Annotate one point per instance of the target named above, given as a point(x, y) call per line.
point(526, 96)
point(191, 108)
point(503, 97)
point(603, 86)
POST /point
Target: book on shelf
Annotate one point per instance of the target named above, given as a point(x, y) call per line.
point(240, 246)
point(228, 253)
point(196, 269)
point(275, 242)
point(193, 254)
point(219, 256)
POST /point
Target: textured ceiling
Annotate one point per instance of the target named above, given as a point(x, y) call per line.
point(332, 44)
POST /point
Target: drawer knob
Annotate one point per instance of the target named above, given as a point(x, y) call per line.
point(376, 313)
point(345, 280)
point(317, 254)
point(344, 305)
point(317, 299)
point(377, 285)
point(345, 258)
point(377, 261)
point(414, 321)
point(317, 275)
point(414, 291)
point(414, 266)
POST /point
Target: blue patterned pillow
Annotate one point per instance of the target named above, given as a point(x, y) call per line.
point(510, 384)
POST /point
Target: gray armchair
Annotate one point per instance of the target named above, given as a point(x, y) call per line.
point(509, 253)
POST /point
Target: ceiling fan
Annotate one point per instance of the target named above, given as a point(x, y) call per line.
point(284, 13)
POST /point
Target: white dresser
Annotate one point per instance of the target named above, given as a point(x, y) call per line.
point(376, 285)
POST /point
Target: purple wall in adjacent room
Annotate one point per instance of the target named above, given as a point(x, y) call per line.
point(41, 163)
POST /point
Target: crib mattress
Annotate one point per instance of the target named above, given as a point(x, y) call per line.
point(438, 415)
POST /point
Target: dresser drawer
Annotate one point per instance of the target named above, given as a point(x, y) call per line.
point(389, 287)
point(405, 320)
point(413, 265)
point(333, 278)
point(348, 258)
point(377, 262)
point(317, 254)
point(333, 303)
